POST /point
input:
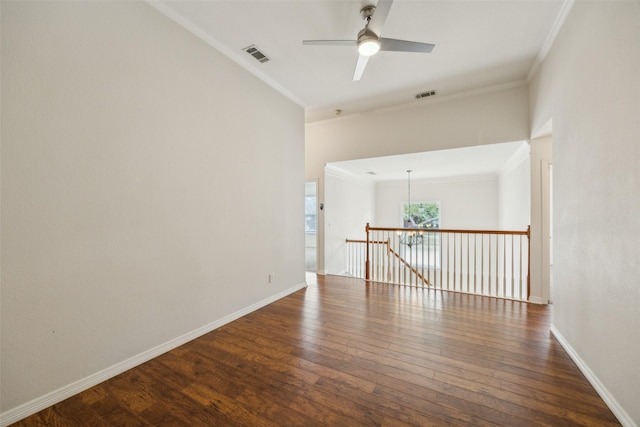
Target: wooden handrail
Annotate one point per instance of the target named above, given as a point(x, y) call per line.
point(379, 242)
point(412, 268)
point(469, 265)
point(445, 230)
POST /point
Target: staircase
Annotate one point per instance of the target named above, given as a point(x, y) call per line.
point(481, 262)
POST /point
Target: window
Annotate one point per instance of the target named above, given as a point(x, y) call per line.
point(421, 215)
point(424, 252)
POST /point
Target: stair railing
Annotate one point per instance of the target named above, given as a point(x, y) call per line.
point(483, 262)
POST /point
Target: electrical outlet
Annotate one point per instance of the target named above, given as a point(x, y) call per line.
point(272, 277)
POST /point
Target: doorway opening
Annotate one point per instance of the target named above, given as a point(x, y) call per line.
point(310, 225)
point(548, 230)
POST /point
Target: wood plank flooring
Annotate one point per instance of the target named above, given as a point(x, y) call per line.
point(344, 353)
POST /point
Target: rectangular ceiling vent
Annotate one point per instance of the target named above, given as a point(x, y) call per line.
point(426, 94)
point(255, 52)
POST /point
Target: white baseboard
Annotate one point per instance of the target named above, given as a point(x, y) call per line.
point(323, 272)
point(612, 403)
point(16, 414)
point(537, 300)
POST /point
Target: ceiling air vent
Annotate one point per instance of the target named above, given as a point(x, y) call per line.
point(426, 94)
point(255, 52)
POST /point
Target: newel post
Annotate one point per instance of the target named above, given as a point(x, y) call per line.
point(366, 262)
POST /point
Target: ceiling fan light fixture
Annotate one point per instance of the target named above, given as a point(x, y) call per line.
point(368, 47)
point(369, 41)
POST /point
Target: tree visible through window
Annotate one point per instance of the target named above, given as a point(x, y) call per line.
point(421, 215)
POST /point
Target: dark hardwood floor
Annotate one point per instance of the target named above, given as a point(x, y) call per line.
point(344, 353)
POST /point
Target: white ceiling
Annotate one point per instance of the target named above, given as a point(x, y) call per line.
point(479, 44)
point(471, 161)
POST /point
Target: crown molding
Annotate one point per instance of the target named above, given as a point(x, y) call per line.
point(424, 102)
point(232, 55)
point(551, 37)
point(440, 180)
point(336, 172)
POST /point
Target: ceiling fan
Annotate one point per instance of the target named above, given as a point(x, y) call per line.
point(369, 41)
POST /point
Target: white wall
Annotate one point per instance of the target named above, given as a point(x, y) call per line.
point(589, 84)
point(465, 202)
point(348, 207)
point(430, 124)
point(514, 185)
point(540, 277)
point(149, 186)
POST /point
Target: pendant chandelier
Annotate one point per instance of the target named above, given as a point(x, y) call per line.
point(410, 238)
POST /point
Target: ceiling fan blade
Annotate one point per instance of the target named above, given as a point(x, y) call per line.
point(380, 16)
point(405, 46)
point(329, 42)
point(360, 66)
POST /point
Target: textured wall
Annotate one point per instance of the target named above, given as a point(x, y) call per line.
point(149, 187)
point(590, 86)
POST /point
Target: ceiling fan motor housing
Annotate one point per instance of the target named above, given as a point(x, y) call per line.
point(366, 34)
point(368, 42)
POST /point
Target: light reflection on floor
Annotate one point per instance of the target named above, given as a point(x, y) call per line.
point(311, 278)
point(406, 307)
